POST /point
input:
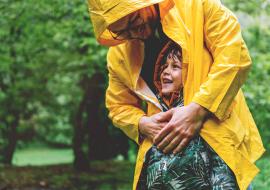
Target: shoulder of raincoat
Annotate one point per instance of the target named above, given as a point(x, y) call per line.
point(215, 65)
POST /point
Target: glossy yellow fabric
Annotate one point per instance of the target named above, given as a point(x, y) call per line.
point(105, 12)
point(215, 64)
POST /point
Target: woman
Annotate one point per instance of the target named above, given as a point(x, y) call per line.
point(215, 65)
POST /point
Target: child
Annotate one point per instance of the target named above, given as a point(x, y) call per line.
point(197, 166)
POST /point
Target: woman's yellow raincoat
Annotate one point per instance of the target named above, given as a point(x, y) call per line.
point(215, 64)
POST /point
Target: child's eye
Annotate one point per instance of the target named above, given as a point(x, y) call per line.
point(176, 66)
point(164, 67)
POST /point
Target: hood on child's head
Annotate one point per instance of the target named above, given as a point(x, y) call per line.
point(161, 60)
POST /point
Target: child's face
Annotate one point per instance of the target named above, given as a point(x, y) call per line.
point(171, 76)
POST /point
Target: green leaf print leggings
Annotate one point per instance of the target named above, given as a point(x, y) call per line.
point(197, 167)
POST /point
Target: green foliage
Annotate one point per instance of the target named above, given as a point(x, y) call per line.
point(249, 7)
point(262, 181)
point(46, 49)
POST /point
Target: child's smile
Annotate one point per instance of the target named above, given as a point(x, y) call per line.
point(171, 77)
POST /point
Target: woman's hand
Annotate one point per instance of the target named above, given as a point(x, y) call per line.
point(149, 127)
point(185, 122)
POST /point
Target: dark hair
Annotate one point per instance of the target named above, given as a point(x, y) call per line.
point(173, 51)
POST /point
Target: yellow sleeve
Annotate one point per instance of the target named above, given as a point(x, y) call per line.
point(123, 104)
point(231, 63)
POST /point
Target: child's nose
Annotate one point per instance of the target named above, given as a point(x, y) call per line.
point(167, 70)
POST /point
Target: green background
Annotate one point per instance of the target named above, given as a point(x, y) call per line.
point(53, 76)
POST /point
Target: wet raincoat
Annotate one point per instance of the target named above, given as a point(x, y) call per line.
point(215, 64)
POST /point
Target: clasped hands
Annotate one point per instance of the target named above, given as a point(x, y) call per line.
point(172, 130)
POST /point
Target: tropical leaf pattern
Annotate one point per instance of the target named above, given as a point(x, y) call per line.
point(197, 167)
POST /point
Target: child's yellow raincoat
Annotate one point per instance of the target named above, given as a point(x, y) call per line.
point(215, 64)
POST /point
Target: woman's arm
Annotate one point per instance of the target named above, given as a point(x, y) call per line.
point(222, 36)
point(125, 106)
point(231, 64)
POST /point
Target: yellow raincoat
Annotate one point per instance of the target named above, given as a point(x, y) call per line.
point(215, 64)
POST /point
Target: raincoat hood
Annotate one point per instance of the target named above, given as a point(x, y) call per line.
point(161, 60)
point(105, 12)
point(158, 70)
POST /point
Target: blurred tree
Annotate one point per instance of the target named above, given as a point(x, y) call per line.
point(22, 84)
point(52, 78)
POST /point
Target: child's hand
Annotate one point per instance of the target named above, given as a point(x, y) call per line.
point(186, 121)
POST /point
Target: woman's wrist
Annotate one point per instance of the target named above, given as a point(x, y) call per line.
point(141, 128)
point(200, 111)
point(142, 124)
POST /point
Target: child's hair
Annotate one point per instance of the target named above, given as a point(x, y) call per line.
point(173, 51)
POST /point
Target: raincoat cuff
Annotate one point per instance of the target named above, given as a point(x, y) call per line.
point(219, 113)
